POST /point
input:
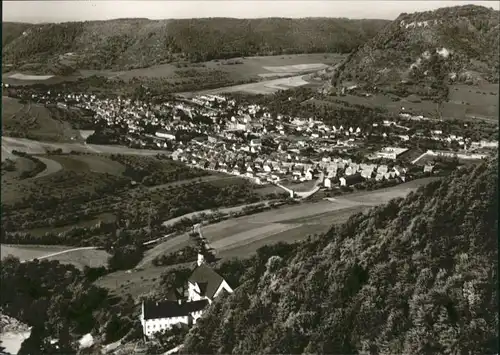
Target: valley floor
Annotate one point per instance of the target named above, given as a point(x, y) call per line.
point(237, 237)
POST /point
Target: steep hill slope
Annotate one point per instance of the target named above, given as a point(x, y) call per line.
point(429, 48)
point(415, 276)
point(11, 31)
point(129, 43)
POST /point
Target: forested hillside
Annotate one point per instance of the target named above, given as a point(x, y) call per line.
point(60, 303)
point(12, 30)
point(133, 43)
point(416, 276)
point(430, 48)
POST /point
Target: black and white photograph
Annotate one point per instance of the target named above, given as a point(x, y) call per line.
point(249, 177)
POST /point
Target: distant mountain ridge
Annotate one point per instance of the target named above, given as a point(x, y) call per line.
point(133, 43)
point(446, 45)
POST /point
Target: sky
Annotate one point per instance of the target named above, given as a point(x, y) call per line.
point(63, 11)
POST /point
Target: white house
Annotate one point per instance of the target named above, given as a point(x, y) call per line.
point(428, 168)
point(204, 285)
point(382, 169)
point(349, 171)
point(165, 134)
point(255, 143)
point(328, 183)
point(159, 316)
point(367, 173)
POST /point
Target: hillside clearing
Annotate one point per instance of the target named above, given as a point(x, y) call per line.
point(135, 282)
point(82, 258)
point(31, 146)
point(34, 121)
point(464, 102)
point(79, 258)
point(93, 163)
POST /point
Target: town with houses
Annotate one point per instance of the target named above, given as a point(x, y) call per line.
point(215, 132)
point(219, 134)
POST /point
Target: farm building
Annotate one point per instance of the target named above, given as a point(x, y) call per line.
point(204, 285)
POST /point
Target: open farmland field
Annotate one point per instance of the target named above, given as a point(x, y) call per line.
point(288, 236)
point(14, 171)
point(432, 158)
point(28, 77)
point(211, 74)
point(425, 108)
point(268, 189)
point(93, 163)
point(263, 87)
point(16, 79)
point(37, 147)
point(136, 282)
point(300, 186)
point(236, 68)
point(473, 102)
point(328, 218)
point(320, 213)
point(260, 232)
point(464, 102)
point(34, 121)
point(484, 95)
point(240, 237)
point(28, 252)
point(15, 187)
point(82, 258)
point(172, 245)
point(63, 254)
